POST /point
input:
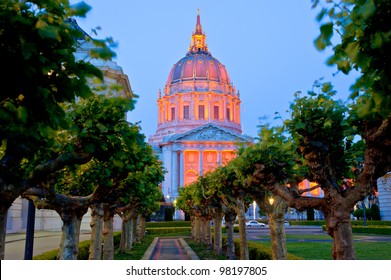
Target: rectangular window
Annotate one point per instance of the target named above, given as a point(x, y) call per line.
point(216, 112)
point(186, 115)
point(201, 112)
point(228, 114)
point(173, 113)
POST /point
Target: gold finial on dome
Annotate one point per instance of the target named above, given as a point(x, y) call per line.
point(198, 38)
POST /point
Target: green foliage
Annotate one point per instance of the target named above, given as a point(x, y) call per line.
point(176, 231)
point(365, 39)
point(319, 128)
point(169, 214)
point(203, 251)
point(375, 212)
point(359, 213)
point(168, 224)
point(272, 159)
point(49, 255)
point(370, 229)
point(372, 213)
point(39, 44)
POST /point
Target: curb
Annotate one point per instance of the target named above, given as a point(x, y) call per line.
point(190, 253)
point(151, 248)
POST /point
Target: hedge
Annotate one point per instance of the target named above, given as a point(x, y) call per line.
point(257, 251)
point(83, 253)
point(168, 230)
point(353, 222)
point(168, 224)
point(372, 229)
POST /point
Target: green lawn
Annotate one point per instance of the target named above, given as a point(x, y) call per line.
point(322, 250)
point(306, 246)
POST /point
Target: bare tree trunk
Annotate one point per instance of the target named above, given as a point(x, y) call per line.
point(69, 243)
point(241, 212)
point(3, 230)
point(277, 229)
point(126, 233)
point(97, 212)
point(340, 229)
point(208, 233)
point(108, 235)
point(197, 223)
point(217, 243)
point(202, 230)
point(193, 227)
point(230, 217)
point(141, 229)
point(134, 228)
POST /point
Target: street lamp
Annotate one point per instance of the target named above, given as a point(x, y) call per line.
point(271, 200)
point(175, 211)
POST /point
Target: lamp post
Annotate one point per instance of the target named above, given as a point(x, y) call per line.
point(271, 200)
point(175, 210)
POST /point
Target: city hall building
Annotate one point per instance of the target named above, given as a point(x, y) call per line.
point(198, 117)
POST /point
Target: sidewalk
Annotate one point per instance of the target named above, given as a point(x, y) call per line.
point(160, 249)
point(43, 241)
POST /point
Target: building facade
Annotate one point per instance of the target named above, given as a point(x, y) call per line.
point(198, 117)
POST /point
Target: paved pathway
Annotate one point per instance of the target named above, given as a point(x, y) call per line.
point(169, 249)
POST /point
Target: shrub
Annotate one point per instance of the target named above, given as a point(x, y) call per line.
point(375, 212)
point(371, 229)
point(168, 224)
point(257, 251)
point(169, 230)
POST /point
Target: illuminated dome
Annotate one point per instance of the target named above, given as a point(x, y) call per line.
point(198, 91)
point(198, 71)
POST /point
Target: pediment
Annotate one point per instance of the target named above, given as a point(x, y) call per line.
point(210, 132)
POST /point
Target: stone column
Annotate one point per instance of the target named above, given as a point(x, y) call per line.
point(219, 158)
point(210, 107)
point(182, 169)
point(174, 174)
point(201, 161)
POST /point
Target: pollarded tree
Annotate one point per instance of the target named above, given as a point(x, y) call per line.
point(272, 159)
point(98, 126)
point(232, 191)
point(364, 30)
point(193, 201)
point(217, 209)
point(185, 203)
point(138, 194)
point(321, 132)
point(38, 43)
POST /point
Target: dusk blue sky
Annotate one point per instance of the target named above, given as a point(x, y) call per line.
point(266, 46)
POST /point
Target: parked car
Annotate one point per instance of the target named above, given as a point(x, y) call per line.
point(254, 224)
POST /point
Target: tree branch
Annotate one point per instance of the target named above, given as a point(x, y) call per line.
point(42, 170)
point(293, 198)
point(308, 190)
